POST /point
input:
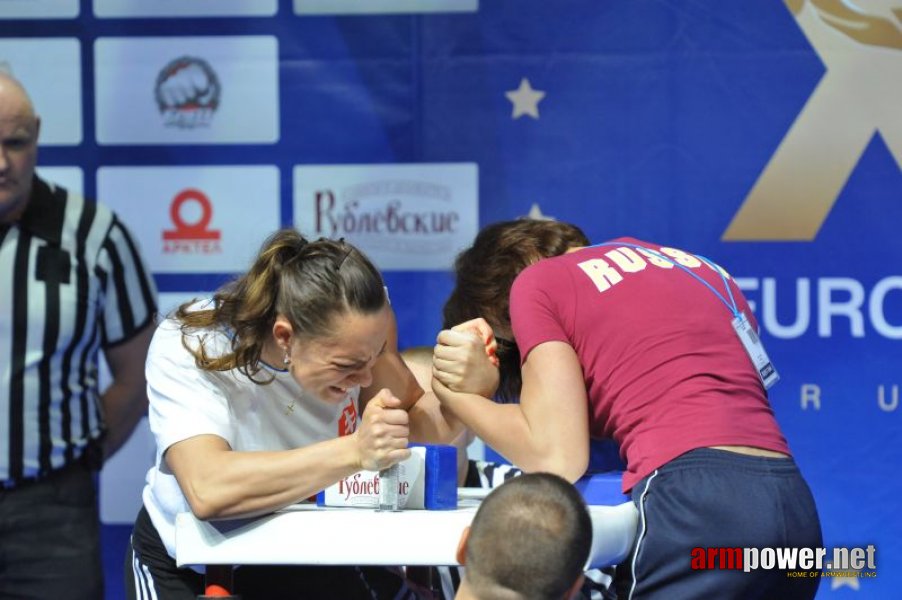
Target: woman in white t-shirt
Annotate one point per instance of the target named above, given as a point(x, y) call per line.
point(284, 382)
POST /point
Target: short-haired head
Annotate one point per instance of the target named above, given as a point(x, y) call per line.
point(14, 93)
point(530, 539)
point(485, 272)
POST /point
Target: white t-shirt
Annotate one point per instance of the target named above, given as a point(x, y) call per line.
point(186, 401)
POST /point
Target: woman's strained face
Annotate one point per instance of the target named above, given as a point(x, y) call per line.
point(329, 366)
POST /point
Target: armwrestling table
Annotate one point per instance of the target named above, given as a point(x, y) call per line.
point(361, 536)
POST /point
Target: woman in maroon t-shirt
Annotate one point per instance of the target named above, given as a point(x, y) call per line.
point(636, 342)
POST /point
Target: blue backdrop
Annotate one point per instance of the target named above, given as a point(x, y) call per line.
point(765, 135)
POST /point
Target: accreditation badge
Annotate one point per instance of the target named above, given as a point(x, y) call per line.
point(755, 349)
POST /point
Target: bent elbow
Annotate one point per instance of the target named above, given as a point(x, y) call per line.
point(568, 467)
point(572, 473)
point(203, 512)
point(203, 505)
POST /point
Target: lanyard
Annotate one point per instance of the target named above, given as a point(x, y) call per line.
point(747, 334)
point(731, 305)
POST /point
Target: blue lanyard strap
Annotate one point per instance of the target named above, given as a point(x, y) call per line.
point(731, 305)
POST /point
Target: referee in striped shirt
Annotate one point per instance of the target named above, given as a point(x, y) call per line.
point(71, 284)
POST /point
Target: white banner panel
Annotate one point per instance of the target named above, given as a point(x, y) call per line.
point(187, 90)
point(71, 178)
point(209, 219)
point(373, 7)
point(38, 9)
point(50, 69)
point(404, 217)
point(181, 8)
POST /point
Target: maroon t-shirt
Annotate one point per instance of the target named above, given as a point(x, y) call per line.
point(665, 371)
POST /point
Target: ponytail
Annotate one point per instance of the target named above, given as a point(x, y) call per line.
point(307, 282)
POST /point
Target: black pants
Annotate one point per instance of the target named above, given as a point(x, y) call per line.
point(151, 573)
point(710, 498)
point(50, 538)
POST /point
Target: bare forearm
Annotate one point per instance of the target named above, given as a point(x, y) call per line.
point(241, 484)
point(123, 406)
point(125, 401)
point(506, 428)
point(502, 426)
point(219, 482)
point(431, 423)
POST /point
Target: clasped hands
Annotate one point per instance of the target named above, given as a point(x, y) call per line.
point(464, 362)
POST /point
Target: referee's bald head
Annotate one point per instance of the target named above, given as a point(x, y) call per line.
point(19, 128)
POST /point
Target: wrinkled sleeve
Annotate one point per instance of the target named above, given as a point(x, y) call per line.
point(184, 400)
point(129, 290)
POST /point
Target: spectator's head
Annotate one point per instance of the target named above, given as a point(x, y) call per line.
point(529, 540)
point(486, 271)
point(315, 308)
point(19, 128)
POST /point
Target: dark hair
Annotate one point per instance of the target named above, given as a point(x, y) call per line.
point(531, 535)
point(308, 283)
point(485, 272)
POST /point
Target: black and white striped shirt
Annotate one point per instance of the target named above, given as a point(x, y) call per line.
point(71, 283)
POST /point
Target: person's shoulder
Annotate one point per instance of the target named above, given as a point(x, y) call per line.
point(76, 204)
point(170, 331)
point(219, 334)
point(627, 239)
point(540, 278)
point(57, 190)
point(546, 267)
point(102, 210)
point(78, 201)
point(173, 322)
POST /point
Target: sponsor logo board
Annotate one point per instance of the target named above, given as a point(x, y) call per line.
point(195, 219)
point(404, 217)
point(187, 90)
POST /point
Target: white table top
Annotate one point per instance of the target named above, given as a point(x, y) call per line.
point(311, 535)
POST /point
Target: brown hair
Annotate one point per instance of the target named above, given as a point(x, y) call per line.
point(307, 282)
point(486, 271)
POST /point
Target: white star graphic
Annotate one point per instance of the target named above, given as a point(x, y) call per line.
point(535, 212)
point(838, 582)
point(525, 100)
